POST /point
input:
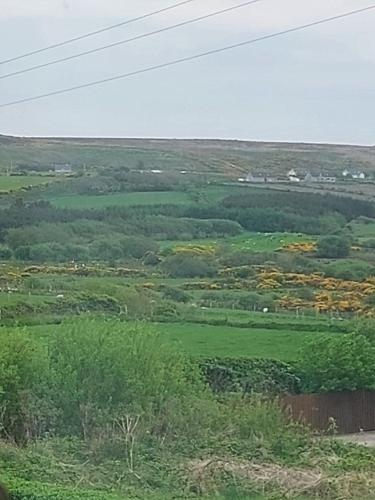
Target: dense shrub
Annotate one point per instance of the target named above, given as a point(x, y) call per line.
point(349, 270)
point(137, 247)
point(338, 363)
point(5, 252)
point(189, 266)
point(370, 243)
point(306, 203)
point(175, 294)
point(250, 375)
point(333, 247)
point(88, 374)
point(31, 490)
point(22, 253)
point(107, 250)
point(57, 252)
point(24, 393)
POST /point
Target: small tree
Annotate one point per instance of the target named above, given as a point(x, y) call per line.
point(333, 247)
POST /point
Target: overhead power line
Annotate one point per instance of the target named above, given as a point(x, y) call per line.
point(128, 40)
point(96, 32)
point(190, 58)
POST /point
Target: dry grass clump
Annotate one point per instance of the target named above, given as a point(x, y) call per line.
point(210, 476)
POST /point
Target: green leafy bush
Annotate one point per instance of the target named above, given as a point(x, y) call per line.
point(338, 363)
point(29, 490)
point(250, 375)
point(26, 409)
point(175, 294)
point(333, 247)
point(189, 266)
point(349, 270)
point(109, 367)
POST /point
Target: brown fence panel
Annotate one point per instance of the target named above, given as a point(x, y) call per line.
point(352, 411)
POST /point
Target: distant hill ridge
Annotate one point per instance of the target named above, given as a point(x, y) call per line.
point(231, 158)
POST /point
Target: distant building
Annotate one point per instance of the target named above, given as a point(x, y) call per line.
point(355, 175)
point(255, 179)
point(323, 178)
point(294, 179)
point(359, 175)
point(62, 168)
point(292, 176)
point(310, 179)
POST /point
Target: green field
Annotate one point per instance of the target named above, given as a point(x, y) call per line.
point(253, 242)
point(222, 341)
point(10, 183)
point(285, 318)
point(205, 340)
point(363, 231)
point(206, 194)
point(16, 298)
point(265, 242)
point(121, 199)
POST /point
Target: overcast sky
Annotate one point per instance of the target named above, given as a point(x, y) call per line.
point(317, 85)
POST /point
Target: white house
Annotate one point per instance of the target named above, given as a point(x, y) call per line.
point(357, 175)
point(62, 168)
point(292, 176)
point(255, 179)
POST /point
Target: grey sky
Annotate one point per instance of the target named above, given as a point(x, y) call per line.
point(317, 85)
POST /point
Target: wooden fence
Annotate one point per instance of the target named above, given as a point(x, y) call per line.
point(351, 411)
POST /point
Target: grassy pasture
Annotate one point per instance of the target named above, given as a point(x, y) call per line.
point(204, 340)
point(252, 242)
point(222, 341)
point(121, 199)
point(265, 242)
point(286, 318)
point(10, 183)
point(31, 299)
point(363, 231)
point(208, 194)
